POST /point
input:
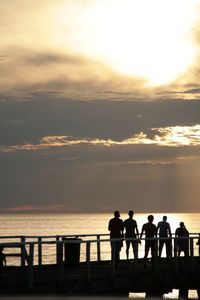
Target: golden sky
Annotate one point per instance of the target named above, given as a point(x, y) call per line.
point(103, 95)
point(128, 45)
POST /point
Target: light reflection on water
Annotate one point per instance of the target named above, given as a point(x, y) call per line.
point(64, 224)
point(92, 223)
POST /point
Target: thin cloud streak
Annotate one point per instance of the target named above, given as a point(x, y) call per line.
point(174, 136)
point(33, 208)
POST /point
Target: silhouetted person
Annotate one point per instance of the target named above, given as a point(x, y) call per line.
point(183, 239)
point(131, 232)
point(164, 231)
point(150, 231)
point(2, 260)
point(116, 228)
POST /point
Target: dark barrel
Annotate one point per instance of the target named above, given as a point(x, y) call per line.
point(72, 251)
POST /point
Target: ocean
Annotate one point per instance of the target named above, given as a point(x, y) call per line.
point(84, 224)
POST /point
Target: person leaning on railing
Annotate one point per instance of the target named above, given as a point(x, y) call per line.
point(150, 231)
point(116, 228)
point(183, 239)
point(165, 235)
point(131, 232)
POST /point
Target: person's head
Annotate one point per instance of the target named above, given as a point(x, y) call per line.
point(116, 214)
point(131, 213)
point(165, 218)
point(182, 225)
point(150, 218)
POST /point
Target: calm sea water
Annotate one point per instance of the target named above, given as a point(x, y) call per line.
point(64, 224)
point(76, 224)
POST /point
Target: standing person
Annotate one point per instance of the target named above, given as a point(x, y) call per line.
point(150, 231)
point(116, 228)
point(183, 239)
point(131, 232)
point(164, 231)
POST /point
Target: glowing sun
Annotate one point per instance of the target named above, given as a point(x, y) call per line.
point(151, 39)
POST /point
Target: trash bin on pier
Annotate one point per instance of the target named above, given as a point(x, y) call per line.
point(71, 251)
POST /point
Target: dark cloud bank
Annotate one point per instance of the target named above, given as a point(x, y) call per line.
point(94, 177)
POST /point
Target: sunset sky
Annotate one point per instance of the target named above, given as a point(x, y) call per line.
point(99, 105)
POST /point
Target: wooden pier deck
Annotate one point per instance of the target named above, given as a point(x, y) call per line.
point(96, 277)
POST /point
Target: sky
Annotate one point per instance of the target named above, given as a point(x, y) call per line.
point(99, 106)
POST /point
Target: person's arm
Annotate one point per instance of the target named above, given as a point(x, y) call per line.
point(141, 234)
point(122, 228)
point(170, 233)
point(186, 232)
point(4, 259)
point(157, 229)
point(137, 233)
point(155, 233)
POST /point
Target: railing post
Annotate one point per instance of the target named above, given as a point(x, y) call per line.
point(175, 255)
point(155, 256)
point(88, 260)
point(30, 265)
point(39, 251)
point(113, 259)
point(136, 256)
point(183, 293)
point(59, 260)
point(23, 251)
point(191, 240)
point(98, 248)
point(198, 293)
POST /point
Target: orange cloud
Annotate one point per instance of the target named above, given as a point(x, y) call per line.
point(174, 136)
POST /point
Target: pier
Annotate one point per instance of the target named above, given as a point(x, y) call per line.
point(81, 265)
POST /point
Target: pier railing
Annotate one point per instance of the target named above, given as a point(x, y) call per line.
point(31, 252)
point(93, 247)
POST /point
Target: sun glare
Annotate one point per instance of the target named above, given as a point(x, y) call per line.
point(151, 39)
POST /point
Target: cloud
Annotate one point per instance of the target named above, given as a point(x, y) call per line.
point(176, 136)
point(26, 71)
point(146, 162)
point(192, 91)
point(54, 208)
point(30, 71)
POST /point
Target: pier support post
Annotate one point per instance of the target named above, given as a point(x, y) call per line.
point(30, 266)
point(39, 251)
point(175, 256)
point(183, 293)
point(192, 253)
point(88, 261)
point(59, 255)
point(23, 251)
point(98, 248)
point(113, 259)
point(198, 293)
point(154, 294)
